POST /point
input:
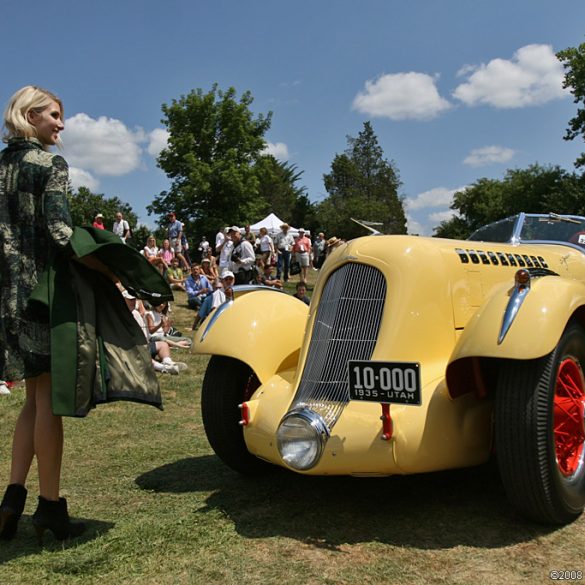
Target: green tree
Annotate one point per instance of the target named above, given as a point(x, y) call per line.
point(573, 60)
point(214, 143)
point(537, 189)
point(363, 185)
point(85, 205)
point(281, 192)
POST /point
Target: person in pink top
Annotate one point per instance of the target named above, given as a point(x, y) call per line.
point(166, 252)
point(98, 222)
point(302, 249)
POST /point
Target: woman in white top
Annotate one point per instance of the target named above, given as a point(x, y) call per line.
point(151, 253)
point(266, 246)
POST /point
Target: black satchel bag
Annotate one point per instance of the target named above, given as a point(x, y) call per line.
point(295, 268)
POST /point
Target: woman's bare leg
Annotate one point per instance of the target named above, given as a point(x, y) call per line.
point(48, 436)
point(23, 442)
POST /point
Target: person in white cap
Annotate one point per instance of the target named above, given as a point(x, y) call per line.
point(219, 296)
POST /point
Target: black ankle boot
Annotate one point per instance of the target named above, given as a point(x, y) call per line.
point(53, 516)
point(11, 510)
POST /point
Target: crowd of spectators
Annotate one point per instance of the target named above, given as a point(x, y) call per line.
point(247, 258)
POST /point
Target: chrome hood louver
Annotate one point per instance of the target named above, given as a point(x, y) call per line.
point(346, 328)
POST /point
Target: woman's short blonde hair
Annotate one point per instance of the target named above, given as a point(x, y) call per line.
point(28, 98)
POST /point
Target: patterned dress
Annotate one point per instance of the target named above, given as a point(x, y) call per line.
point(34, 223)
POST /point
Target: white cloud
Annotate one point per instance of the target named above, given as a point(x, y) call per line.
point(438, 216)
point(401, 96)
point(437, 197)
point(278, 150)
point(81, 178)
point(157, 141)
point(487, 155)
point(106, 145)
point(533, 76)
point(413, 226)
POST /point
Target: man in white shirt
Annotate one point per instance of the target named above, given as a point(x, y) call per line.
point(283, 242)
point(121, 227)
point(243, 256)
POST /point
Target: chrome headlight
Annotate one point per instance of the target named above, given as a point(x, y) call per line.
point(301, 438)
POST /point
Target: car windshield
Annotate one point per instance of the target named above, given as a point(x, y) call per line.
point(568, 229)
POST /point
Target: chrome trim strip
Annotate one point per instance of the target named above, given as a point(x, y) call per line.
point(516, 299)
point(214, 317)
point(237, 289)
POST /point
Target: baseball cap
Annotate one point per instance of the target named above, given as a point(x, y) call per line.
point(227, 273)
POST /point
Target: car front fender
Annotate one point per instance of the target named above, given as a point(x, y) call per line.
point(262, 328)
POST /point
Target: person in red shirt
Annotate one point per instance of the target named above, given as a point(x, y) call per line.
point(302, 249)
point(98, 222)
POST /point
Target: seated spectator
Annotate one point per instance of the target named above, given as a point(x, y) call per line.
point(175, 275)
point(209, 269)
point(219, 296)
point(301, 293)
point(98, 222)
point(150, 252)
point(160, 327)
point(5, 387)
point(264, 275)
point(166, 252)
point(160, 352)
point(197, 287)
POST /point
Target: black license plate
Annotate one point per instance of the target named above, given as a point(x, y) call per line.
point(385, 382)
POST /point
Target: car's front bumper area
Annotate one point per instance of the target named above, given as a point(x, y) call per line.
point(441, 434)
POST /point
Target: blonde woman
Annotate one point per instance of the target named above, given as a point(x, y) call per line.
point(35, 223)
point(152, 254)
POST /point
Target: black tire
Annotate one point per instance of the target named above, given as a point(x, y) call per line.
point(543, 475)
point(229, 382)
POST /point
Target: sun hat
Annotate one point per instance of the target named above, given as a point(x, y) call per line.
point(332, 241)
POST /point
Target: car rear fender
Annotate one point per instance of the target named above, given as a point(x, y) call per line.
point(534, 332)
point(263, 329)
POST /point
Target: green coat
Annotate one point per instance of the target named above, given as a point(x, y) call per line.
point(98, 351)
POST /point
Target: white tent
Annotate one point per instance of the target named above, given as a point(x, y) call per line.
point(272, 223)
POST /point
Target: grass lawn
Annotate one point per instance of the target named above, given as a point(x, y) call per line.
point(161, 508)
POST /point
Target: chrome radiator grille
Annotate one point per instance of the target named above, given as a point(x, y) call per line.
point(346, 328)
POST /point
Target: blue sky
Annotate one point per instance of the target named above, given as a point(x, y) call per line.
point(456, 90)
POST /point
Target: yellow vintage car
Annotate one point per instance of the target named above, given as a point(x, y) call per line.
point(416, 354)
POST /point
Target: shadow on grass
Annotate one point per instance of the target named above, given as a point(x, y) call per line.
point(25, 542)
point(429, 511)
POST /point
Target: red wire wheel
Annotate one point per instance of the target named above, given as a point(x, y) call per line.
point(569, 417)
point(540, 431)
